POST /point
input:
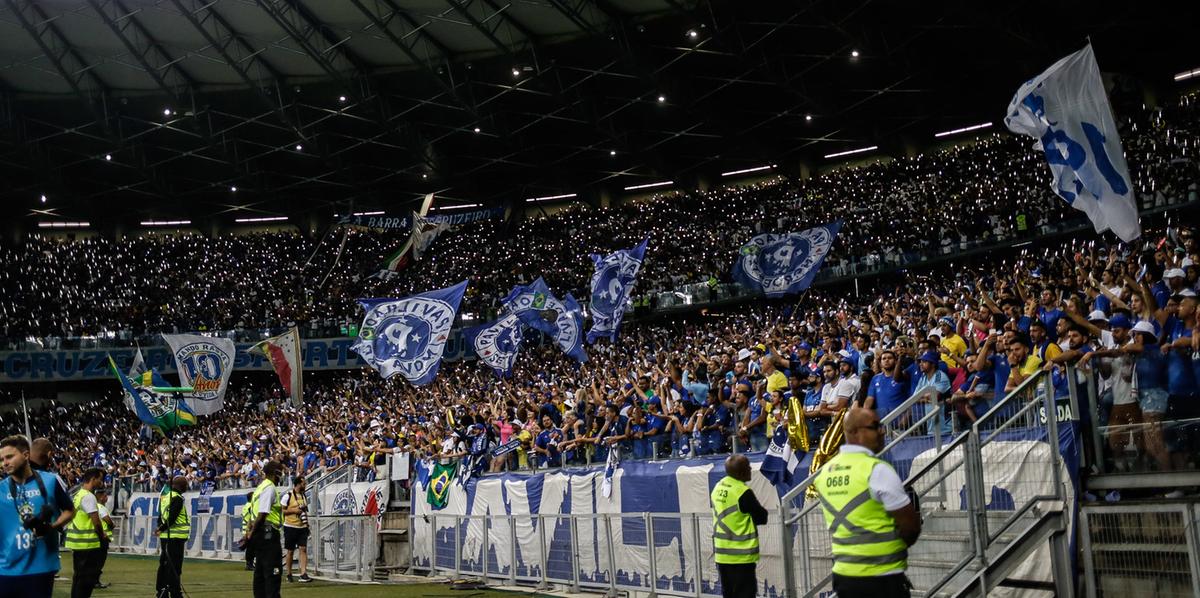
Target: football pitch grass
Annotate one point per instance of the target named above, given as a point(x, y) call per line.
point(134, 576)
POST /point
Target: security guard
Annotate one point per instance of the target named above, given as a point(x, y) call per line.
point(736, 515)
point(263, 534)
point(107, 523)
point(174, 527)
point(871, 519)
point(86, 536)
point(248, 517)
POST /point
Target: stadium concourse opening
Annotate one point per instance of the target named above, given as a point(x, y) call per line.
point(688, 298)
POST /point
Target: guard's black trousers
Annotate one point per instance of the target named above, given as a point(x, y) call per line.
point(738, 581)
point(170, 568)
point(883, 586)
point(86, 571)
point(268, 562)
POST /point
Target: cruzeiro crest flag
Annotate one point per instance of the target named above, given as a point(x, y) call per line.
point(782, 264)
point(1066, 110)
point(408, 336)
point(562, 320)
point(497, 343)
point(438, 493)
point(612, 282)
point(156, 404)
point(204, 363)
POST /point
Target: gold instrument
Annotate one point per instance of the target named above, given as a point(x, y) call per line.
point(797, 428)
point(831, 444)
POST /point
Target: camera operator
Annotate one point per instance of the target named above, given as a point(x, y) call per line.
point(34, 507)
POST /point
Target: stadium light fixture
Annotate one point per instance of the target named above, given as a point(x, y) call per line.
point(457, 207)
point(662, 99)
point(108, 157)
point(262, 219)
point(377, 213)
point(853, 151)
point(748, 170)
point(854, 53)
point(299, 147)
point(516, 72)
point(649, 185)
point(550, 197)
point(64, 224)
point(963, 129)
point(612, 152)
point(43, 198)
point(233, 189)
point(476, 129)
point(693, 34)
point(1185, 75)
point(166, 112)
point(807, 118)
point(342, 99)
point(166, 222)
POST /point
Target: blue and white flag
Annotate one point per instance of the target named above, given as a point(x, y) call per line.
point(782, 264)
point(539, 309)
point(610, 469)
point(497, 343)
point(407, 336)
point(780, 463)
point(204, 363)
point(612, 282)
point(1066, 110)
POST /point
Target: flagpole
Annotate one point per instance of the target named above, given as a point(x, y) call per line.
point(25, 410)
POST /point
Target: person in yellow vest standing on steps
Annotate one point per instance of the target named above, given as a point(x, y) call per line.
point(263, 534)
point(86, 537)
point(736, 517)
point(871, 519)
point(174, 527)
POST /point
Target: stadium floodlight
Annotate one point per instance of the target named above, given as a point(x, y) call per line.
point(808, 118)
point(341, 98)
point(166, 222)
point(649, 185)
point(457, 207)
point(662, 99)
point(550, 197)
point(369, 213)
point(963, 129)
point(299, 147)
point(476, 129)
point(612, 152)
point(853, 151)
point(108, 157)
point(233, 188)
point(262, 219)
point(1185, 75)
point(64, 224)
point(854, 53)
point(43, 198)
point(748, 170)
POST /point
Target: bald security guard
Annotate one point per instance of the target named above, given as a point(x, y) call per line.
point(871, 519)
point(736, 515)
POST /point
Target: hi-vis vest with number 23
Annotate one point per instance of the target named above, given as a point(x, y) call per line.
point(81, 533)
point(735, 538)
point(865, 540)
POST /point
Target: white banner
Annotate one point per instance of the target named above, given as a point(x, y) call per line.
point(204, 363)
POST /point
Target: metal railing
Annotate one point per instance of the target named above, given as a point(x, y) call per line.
point(339, 547)
point(1141, 549)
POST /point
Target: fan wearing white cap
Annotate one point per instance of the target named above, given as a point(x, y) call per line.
point(1152, 389)
point(1175, 279)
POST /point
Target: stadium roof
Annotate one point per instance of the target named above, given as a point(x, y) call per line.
point(159, 108)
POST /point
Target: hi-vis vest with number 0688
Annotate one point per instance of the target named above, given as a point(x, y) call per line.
point(735, 538)
point(865, 540)
point(81, 533)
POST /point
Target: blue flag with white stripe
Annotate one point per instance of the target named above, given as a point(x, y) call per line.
point(1066, 110)
point(561, 320)
point(780, 463)
point(612, 282)
point(407, 336)
point(497, 343)
point(783, 264)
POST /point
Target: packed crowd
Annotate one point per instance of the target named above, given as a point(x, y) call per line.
point(936, 203)
point(714, 382)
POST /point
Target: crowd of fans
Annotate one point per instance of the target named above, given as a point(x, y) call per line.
point(691, 384)
point(895, 212)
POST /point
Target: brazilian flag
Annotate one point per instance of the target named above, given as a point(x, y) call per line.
point(439, 485)
point(160, 407)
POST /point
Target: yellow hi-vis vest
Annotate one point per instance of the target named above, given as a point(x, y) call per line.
point(275, 516)
point(81, 533)
point(179, 529)
point(865, 540)
point(735, 538)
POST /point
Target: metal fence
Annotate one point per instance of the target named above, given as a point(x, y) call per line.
point(339, 547)
point(1141, 550)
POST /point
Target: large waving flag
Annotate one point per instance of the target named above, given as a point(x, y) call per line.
point(1066, 110)
point(782, 264)
point(407, 336)
point(204, 363)
point(562, 320)
point(283, 353)
point(137, 370)
point(160, 407)
point(497, 343)
point(408, 252)
point(612, 282)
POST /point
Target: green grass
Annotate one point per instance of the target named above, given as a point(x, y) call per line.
point(134, 576)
